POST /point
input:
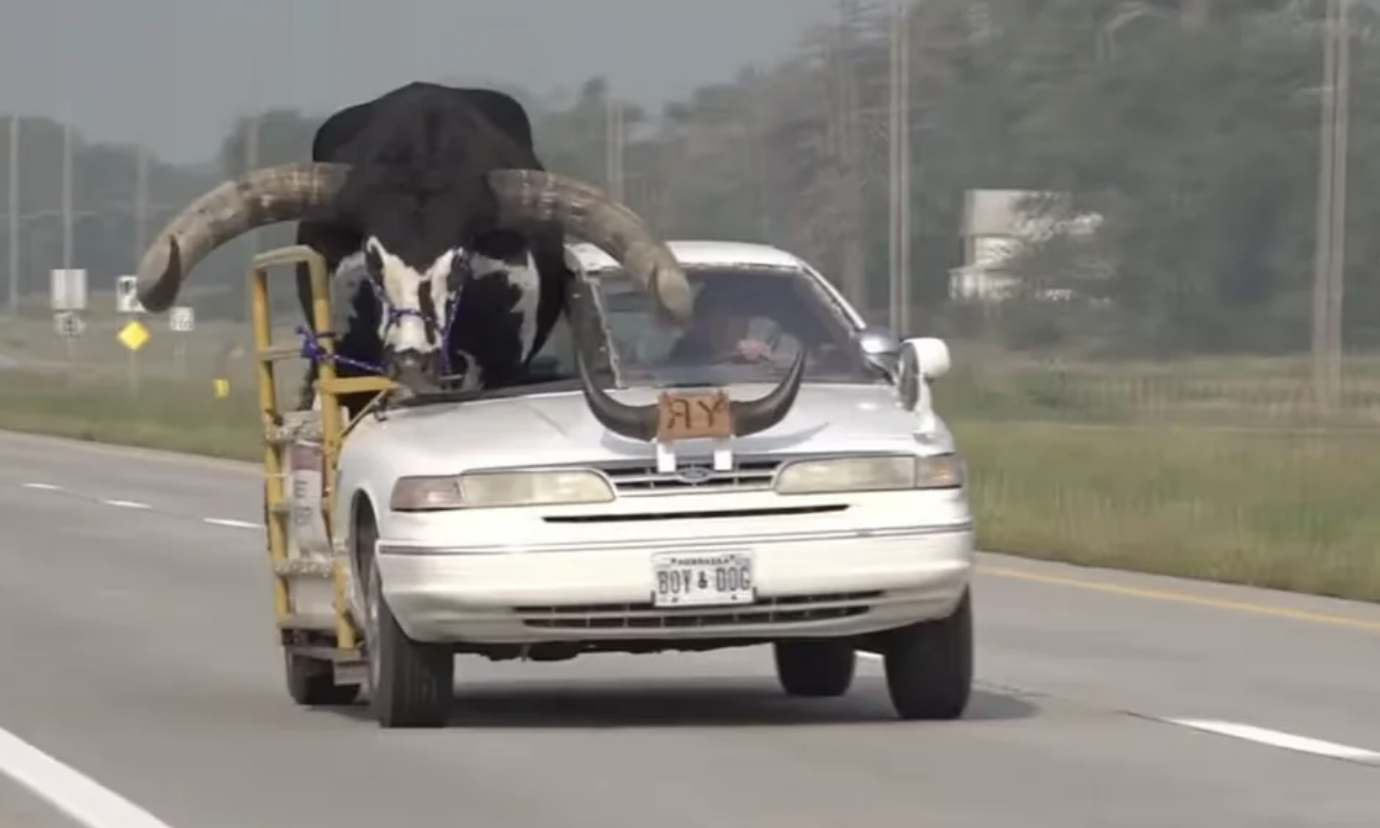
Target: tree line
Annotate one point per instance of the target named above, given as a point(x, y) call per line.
point(1191, 127)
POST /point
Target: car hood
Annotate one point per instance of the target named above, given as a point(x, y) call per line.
point(558, 428)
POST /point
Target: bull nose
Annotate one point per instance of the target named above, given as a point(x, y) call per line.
point(412, 361)
point(413, 369)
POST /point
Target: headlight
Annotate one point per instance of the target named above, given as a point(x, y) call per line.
point(480, 490)
point(870, 474)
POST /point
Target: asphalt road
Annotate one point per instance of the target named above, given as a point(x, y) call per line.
point(137, 652)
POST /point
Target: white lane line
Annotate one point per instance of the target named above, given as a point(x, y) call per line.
point(134, 504)
point(1280, 739)
point(80, 797)
point(126, 504)
point(233, 524)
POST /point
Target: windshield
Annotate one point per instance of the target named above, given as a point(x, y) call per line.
point(749, 324)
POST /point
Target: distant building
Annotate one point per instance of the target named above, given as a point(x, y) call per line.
point(995, 230)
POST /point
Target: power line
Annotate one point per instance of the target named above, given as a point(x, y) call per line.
point(899, 142)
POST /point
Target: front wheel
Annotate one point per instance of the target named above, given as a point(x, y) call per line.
point(411, 683)
point(815, 669)
point(929, 665)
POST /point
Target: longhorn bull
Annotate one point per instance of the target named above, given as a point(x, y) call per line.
point(462, 237)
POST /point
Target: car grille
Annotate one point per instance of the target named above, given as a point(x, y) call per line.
point(781, 610)
point(642, 479)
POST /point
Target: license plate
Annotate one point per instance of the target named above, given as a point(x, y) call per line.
point(711, 579)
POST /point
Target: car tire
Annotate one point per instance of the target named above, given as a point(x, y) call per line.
point(929, 665)
point(815, 669)
point(411, 683)
point(311, 682)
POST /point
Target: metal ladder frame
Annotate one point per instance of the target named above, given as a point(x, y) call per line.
point(279, 438)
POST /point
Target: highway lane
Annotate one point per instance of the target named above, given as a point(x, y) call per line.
point(138, 650)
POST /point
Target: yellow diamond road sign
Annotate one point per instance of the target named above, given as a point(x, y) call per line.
point(133, 336)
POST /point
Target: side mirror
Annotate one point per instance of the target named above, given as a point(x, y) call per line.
point(922, 359)
point(880, 347)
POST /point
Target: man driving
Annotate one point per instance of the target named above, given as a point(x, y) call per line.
point(719, 331)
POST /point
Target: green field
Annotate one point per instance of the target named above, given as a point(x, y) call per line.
point(1189, 472)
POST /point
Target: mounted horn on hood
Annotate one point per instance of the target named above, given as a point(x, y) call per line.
point(294, 191)
point(641, 422)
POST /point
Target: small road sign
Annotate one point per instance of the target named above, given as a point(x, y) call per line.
point(68, 290)
point(69, 324)
point(182, 319)
point(133, 335)
point(222, 388)
point(126, 295)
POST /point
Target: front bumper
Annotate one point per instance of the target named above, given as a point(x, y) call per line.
point(809, 584)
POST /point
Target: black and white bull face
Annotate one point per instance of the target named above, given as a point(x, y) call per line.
point(413, 307)
point(423, 320)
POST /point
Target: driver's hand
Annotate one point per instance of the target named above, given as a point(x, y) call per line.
point(754, 349)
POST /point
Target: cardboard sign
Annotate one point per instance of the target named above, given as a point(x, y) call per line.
point(693, 416)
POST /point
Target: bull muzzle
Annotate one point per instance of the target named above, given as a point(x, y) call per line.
point(414, 370)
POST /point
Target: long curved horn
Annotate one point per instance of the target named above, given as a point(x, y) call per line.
point(587, 212)
point(752, 416)
point(639, 422)
point(258, 198)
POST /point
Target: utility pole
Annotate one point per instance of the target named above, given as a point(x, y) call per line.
point(12, 305)
point(251, 163)
point(613, 146)
point(1337, 277)
point(141, 200)
point(1329, 249)
point(67, 217)
point(847, 173)
point(899, 142)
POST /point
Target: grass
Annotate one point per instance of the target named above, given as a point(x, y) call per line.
point(1284, 509)
point(158, 414)
point(1288, 508)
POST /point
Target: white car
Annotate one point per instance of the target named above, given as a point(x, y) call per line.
point(519, 524)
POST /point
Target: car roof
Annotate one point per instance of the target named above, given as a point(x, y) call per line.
point(698, 254)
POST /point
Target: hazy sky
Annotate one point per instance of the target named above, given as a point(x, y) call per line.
point(174, 72)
